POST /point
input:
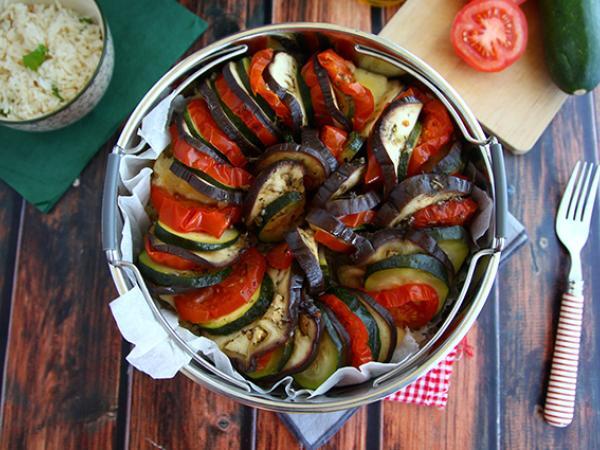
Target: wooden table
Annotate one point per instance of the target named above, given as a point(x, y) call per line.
point(66, 384)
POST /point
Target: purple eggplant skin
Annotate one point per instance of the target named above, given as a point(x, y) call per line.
point(353, 205)
point(205, 188)
point(449, 164)
point(218, 114)
point(324, 220)
point(387, 318)
point(328, 96)
point(290, 101)
point(310, 138)
point(306, 258)
point(195, 142)
point(245, 97)
point(161, 246)
point(418, 192)
point(339, 182)
point(317, 169)
point(265, 176)
point(388, 167)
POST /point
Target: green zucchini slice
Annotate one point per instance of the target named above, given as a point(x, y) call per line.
point(453, 241)
point(195, 240)
point(277, 359)
point(167, 276)
point(280, 216)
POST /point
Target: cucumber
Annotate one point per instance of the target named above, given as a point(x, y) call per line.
point(195, 240)
point(248, 313)
point(571, 30)
point(453, 241)
point(280, 216)
point(356, 306)
point(408, 269)
point(167, 276)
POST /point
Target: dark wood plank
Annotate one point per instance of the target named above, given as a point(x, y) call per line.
point(62, 365)
point(352, 14)
point(531, 285)
point(199, 416)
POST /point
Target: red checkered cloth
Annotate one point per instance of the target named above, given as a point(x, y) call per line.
point(432, 388)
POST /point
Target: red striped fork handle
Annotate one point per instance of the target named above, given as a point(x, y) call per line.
point(560, 397)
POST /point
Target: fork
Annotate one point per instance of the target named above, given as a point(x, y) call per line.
point(572, 228)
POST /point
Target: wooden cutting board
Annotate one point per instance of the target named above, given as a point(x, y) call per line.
point(516, 104)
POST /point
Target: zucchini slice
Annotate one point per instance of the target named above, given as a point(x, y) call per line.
point(243, 68)
point(332, 352)
point(408, 269)
point(385, 325)
point(407, 151)
point(389, 137)
point(454, 241)
point(352, 147)
point(215, 258)
point(353, 302)
point(305, 250)
point(418, 192)
point(339, 182)
point(271, 330)
point(248, 313)
point(167, 276)
point(275, 362)
point(188, 131)
point(374, 82)
point(280, 216)
point(393, 88)
point(270, 184)
point(283, 78)
point(195, 240)
point(351, 276)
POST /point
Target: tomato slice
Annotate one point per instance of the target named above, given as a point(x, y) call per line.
point(233, 177)
point(243, 112)
point(260, 61)
point(358, 219)
point(411, 305)
point(206, 304)
point(489, 35)
point(340, 74)
point(210, 131)
point(359, 336)
point(167, 259)
point(334, 139)
point(445, 214)
point(436, 133)
point(280, 257)
point(332, 242)
point(187, 216)
point(321, 115)
point(373, 173)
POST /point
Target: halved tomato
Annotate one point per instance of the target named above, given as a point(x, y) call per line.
point(449, 213)
point(490, 35)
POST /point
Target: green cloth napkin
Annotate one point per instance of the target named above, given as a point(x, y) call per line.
point(148, 37)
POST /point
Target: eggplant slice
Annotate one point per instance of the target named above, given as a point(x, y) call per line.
point(353, 204)
point(278, 179)
point(448, 163)
point(321, 219)
point(331, 103)
point(305, 250)
point(310, 138)
point(205, 188)
point(183, 123)
point(340, 182)
point(283, 78)
point(418, 192)
point(390, 135)
point(385, 324)
point(394, 88)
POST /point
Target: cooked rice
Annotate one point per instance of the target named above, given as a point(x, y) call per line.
point(74, 49)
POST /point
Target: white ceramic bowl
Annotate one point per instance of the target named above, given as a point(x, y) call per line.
point(92, 92)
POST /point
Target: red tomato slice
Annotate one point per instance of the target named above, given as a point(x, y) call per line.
point(411, 305)
point(260, 61)
point(373, 173)
point(489, 35)
point(340, 74)
point(169, 260)
point(243, 112)
point(188, 216)
point(321, 115)
point(206, 304)
point(437, 131)
point(332, 242)
point(234, 177)
point(358, 219)
point(446, 214)
point(359, 336)
point(210, 131)
point(280, 257)
point(334, 139)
